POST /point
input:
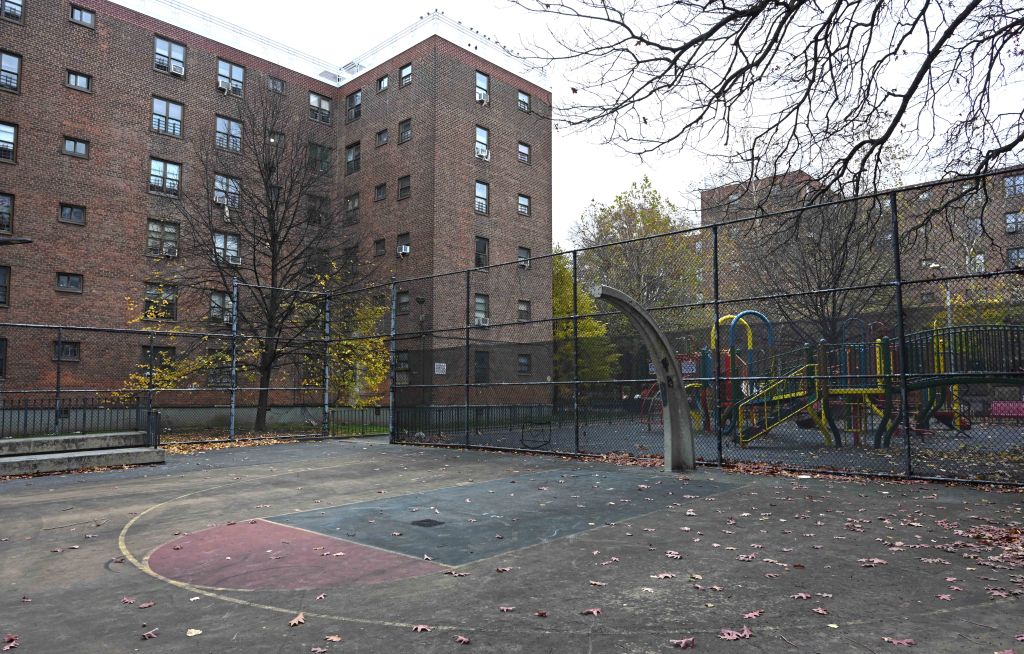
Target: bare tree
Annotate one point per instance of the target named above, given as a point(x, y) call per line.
point(266, 214)
point(834, 88)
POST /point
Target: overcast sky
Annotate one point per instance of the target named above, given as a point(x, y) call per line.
point(584, 169)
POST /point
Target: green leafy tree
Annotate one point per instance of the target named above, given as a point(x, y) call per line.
point(597, 356)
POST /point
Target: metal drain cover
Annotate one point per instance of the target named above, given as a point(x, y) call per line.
point(427, 522)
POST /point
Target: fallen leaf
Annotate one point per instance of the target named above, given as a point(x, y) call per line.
point(151, 634)
point(318, 650)
point(193, 632)
point(684, 643)
point(820, 610)
point(503, 569)
point(127, 600)
point(663, 575)
point(455, 573)
point(462, 640)
point(900, 642)
point(10, 642)
point(297, 620)
point(598, 583)
point(506, 609)
point(590, 612)
point(541, 614)
point(945, 598)
point(801, 596)
point(146, 605)
point(396, 533)
point(421, 627)
point(753, 614)
point(333, 638)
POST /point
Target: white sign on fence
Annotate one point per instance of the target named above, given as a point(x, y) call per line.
point(440, 368)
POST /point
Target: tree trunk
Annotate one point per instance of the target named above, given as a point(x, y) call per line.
point(266, 368)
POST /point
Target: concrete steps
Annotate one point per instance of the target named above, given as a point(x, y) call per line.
point(26, 456)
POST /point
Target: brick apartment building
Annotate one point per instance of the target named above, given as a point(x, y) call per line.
point(442, 159)
point(956, 229)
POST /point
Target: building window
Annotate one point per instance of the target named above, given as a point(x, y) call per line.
point(160, 302)
point(481, 367)
point(156, 357)
point(164, 176)
point(220, 306)
point(975, 227)
point(218, 375)
point(10, 71)
point(225, 248)
point(402, 360)
point(404, 243)
point(352, 158)
point(481, 256)
point(1014, 222)
point(482, 148)
point(352, 209)
point(8, 142)
point(523, 102)
point(481, 200)
point(483, 88)
point(380, 192)
point(230, 77)
point(67, 350)
point(227, 191)
point(402, 302)
point(72, 213)
point(5, 285)
point(380, 247)
point(1013, 185)
point(6, 213)
point(382, 84)
point(382, 137)
point(353, 105)
point(405, 75)
point(317, 209)
point(229, 134)
point(79, 81)
point(523, 256)
point(523, 205)
point(3, 357)
point(70, 282)
point(524, 363)
point(524, 310)
point(1015, 257)
point(319, 108)
point(75, 147)
point(161, 238)
point(320, 157)
point(83, 16)
point(976, 263)
point(404, 187)
point(11, 9)
point(524, 153)
point(168, 56)
point(166, 117)
point(481, 307)
point(405, 130)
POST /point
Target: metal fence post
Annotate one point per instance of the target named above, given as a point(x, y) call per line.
point(149, 374)
point(393, 331)
point(900, 333)
point(466, 382)
point(326, 421)
point(717, 360)
point(57, 396)
point(575, 354)
point(234, 358)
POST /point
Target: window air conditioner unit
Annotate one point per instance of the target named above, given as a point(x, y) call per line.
point(404, 250)
point(483, 97)
point(234, 260)
point(170, 250)
point(178, 69)
point(483, 152)
point(227, 212)
point(524, 263)
point(224, 86)
point(481, 322)
point(227, 315)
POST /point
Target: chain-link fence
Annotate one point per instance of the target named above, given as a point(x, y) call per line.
point(878, 335)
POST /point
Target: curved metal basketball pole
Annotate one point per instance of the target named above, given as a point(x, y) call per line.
point(675, 407)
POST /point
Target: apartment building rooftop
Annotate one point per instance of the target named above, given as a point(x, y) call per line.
point(433, 23)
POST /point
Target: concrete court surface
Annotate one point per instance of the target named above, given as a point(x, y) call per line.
point(368, 540)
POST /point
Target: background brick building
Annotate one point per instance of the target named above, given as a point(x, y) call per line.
point(102, 110)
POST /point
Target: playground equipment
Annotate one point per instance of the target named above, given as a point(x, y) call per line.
point(849, 392)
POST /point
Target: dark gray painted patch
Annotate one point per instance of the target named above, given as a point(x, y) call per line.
point(480, 520)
